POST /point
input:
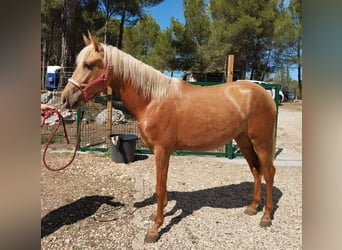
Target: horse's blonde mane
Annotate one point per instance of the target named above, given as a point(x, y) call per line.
point(148, 80)
point(151, 82)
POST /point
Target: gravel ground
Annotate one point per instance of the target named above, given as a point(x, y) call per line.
point(99, 204)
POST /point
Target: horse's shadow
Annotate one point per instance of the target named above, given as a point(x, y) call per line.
point(73, 212)
point(230, 196)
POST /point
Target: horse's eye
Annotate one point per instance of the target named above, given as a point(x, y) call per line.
point(88, 66)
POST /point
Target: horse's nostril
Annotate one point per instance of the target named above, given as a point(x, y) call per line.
point(65, 102)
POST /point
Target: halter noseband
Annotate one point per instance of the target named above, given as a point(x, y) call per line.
point(84, 86)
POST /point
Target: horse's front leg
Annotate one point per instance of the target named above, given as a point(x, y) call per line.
point(162, 165)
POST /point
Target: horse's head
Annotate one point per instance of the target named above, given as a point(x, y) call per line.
point(90, 75)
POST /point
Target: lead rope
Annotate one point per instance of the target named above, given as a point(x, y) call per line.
point(45, 114)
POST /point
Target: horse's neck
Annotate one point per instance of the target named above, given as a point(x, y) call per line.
point(133, 101)
point(128, 86)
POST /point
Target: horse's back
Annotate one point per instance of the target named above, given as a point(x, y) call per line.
point(244, 95)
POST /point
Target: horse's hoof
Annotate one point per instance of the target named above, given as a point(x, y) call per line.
point(151, 237)
point(265, 222)
point(250, 211)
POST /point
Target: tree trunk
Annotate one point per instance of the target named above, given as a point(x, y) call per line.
point(107, 22)
point(105, 32)
point(42, 85)
point(68, 31)
point(122, 23)
point(252, 74)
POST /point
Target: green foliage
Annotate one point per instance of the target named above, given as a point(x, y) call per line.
point(128, 12)
point(104, 18)
point(288, 39)
point(163, 53)
point(265, 36)
point(140, 39)
point(171, 50)
point(197, 24)
point(245, 29)
point(88, 18)
point(51, 30)
point(197, 20)
point(283, 77)
point(183, 45)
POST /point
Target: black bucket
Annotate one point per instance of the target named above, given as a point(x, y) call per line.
point(123, 147)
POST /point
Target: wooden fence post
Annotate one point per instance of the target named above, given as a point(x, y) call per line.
point(109, 113)
point(230, 68)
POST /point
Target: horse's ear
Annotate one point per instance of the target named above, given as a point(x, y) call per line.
point(94, 42)
point(86, 40)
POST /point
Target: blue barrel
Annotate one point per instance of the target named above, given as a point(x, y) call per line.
point(52, 77)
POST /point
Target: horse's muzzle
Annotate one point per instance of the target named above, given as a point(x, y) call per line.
point(71, 101)
point(65, 103)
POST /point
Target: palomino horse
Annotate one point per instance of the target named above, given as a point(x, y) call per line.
point(173, 114)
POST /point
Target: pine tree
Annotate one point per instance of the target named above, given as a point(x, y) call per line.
point(140, 39)
point(198, 26)
point(245, 29)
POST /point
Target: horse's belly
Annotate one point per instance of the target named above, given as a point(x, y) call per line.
point(210, 129)
point(200, 140)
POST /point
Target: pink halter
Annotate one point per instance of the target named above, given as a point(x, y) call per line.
point(101, 80)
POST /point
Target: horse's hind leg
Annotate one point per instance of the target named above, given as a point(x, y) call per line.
point(268, 170)
point(264, 147)
point(259, 155)
point(247, 150)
